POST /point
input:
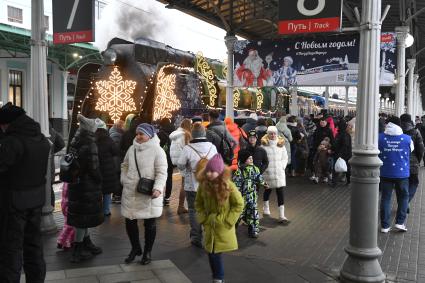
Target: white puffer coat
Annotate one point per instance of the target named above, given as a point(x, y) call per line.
point(278, 159)
point(152, 162)
point(177, 143)
point(190, 158)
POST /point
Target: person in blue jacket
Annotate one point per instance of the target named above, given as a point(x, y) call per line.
point(395, 148)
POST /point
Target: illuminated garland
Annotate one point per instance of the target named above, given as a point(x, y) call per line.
point(236, 97)
point(260, 98)
point(205, 70)
point(115, 95)
point(166, 100)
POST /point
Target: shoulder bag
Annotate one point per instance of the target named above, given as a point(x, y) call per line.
point(145, 185)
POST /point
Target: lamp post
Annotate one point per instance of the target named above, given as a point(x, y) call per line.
point(230, 40)
point(362, 263)
point(411, 93)
point(402, 32)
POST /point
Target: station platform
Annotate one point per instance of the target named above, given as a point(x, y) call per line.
point(310, 249)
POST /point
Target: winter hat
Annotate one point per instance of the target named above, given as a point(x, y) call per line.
point(215, 164)
point(198, 131)
point(87, 124)
point(9, 113)
point(243, 155)
point(394, 119)
point(272, 129)
point(196, 119)
point(405, 118)
point(146, 129)
point(253, 116)
point(228, 121)
point(252, 133)
point(100, 124)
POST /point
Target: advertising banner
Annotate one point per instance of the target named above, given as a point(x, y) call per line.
point(301, 16)
point(319, 61)
point(73, 21)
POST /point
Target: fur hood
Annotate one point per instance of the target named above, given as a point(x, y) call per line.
point(266, 142)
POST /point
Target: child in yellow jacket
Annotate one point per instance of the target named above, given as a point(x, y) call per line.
point(218, 206)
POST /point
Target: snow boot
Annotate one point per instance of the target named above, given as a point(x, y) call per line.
point(282, 218)
point(79, 253)
point(89, 246)
point(266, 208)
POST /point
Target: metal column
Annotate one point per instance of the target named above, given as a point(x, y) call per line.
point(327, 98)
point(65, 105)
point(230, 44)
point(346, 101)
point(362, 263)
point(411, 92)
point(294, 101)
point(401, 69)
point(39, 96)
point(415, 97)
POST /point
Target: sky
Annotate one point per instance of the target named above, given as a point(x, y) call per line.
point(129, 19)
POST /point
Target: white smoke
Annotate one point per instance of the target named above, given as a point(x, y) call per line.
point(130, 19)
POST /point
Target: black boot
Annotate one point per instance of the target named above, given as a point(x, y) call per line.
point(133, 254)
point(150, 234)
point(80, 253)
point(89, 246)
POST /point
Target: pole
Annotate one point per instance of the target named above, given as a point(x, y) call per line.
point(65, 105)
point(230, 40)
point(362, 263)
point(327, 98)
point(346, 101)
point(401, 69)
point(39, 97)
point(410, 93)
point(415, 97)
point(294, 101)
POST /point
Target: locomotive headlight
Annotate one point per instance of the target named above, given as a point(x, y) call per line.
point(110, 56)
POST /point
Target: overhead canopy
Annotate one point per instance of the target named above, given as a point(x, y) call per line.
point(16, 41)
point(257, 19)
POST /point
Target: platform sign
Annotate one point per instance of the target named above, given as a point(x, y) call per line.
point(309, 16)
point(73, 21)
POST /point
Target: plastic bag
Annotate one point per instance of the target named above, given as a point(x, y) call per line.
point(340, 166)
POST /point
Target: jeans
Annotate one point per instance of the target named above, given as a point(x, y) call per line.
point(217, 266)
point(279, 193)
point(402, 193)
point(195, 227)
point(21, 245)
point(80, 234)
point(413, 185)
point(107, 204)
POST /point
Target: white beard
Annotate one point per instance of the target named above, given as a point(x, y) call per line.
point(254, 65)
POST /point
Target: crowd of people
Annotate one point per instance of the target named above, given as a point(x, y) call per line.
point(224, 166)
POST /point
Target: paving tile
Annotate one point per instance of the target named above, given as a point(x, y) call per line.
point(126, 276)
point(156, 264)
point(86, 279)
point(80, 272)
point(171, 275)
point(148, 281)
point(55, 275)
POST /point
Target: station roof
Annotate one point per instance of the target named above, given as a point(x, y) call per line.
point(16, 41)
point(257, 19)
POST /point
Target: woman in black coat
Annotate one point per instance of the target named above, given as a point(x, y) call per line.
point(108, 152)
point(85, 196)
point(343, 147)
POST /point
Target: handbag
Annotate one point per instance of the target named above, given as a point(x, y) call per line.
point(145, 185)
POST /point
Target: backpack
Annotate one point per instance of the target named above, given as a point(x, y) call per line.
point(69, 168)
point(202, 163)
point(225, 148)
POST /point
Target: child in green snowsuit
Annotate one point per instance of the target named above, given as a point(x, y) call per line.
point(248, 178)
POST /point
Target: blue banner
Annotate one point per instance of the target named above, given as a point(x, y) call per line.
point(320, 61)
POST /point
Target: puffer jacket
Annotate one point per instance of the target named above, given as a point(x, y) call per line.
point(418, 153)
point(190, 158)
point(152, 163)
point(177, 143)
point(285, 132)
point(85, 206)
point(236, 134)
point(278, 159)
point(108, 152)
point(219, 220)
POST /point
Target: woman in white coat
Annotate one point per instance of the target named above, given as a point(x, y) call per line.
point(275, 172)
point(152, 164)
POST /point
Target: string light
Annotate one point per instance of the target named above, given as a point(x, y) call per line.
point(236, 97)
point(115, 95)
point(166, 100)
point(205, 70)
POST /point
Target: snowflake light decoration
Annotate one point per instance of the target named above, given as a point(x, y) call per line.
point(115, 95)
point(166, 100)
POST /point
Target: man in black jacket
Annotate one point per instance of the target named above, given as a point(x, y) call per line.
point(416, 156)
point(165, 129)
point(24, 153)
